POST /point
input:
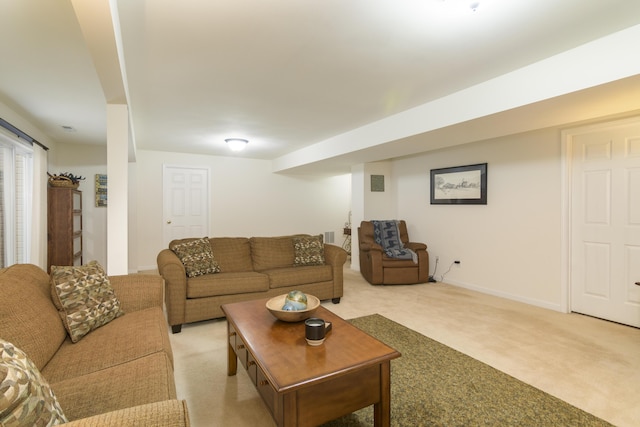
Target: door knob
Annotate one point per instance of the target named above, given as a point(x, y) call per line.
point(169, 222)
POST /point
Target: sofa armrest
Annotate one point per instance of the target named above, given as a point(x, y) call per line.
point(175, 282)
point(138, 291)
point(168, 413)
point(335, 256)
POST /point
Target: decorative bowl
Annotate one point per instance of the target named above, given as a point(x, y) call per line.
point(274, 305)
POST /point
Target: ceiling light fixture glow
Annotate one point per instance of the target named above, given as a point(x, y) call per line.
point(236, 144)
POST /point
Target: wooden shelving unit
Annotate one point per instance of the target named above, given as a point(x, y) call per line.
point(64, 229)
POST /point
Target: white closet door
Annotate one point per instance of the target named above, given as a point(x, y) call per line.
point(605, 206)
point(186, 202)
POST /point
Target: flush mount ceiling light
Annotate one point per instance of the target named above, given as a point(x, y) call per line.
point(473, 4)
point(236, 144)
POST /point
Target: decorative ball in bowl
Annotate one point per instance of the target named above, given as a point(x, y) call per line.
point(276, 306)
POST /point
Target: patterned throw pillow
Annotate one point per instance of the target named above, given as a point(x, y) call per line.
point(309, 250)
point(84, 298)
point(197, 257)
point(26, 399)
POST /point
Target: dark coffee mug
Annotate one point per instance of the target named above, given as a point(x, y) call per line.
point(316, 330)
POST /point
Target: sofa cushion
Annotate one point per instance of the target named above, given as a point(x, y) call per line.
point(84, 297)
point(308, 250)
point(28, 318)
point(136, 382)
point(295, 276)
point(26, 399)
point(227, 284)
point(169, 413)
point(132, 336)
point(271, 252)
point(232, 253)
point(197, 257)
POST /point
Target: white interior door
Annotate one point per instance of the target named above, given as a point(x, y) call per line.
point(605, 217)
point(185, 202)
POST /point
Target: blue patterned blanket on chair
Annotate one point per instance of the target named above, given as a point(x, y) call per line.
point(387, 234)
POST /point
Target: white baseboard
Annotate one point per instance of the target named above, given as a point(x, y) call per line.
point(145, 268)
point(531, 301)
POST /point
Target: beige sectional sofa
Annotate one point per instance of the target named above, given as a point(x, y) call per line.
point(119, 374)
point(249, 268)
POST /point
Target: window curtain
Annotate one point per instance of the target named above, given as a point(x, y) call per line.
point(39, 208)
point(2, 209)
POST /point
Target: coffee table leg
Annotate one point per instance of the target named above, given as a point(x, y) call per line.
point(232, 359)
point(382, 409)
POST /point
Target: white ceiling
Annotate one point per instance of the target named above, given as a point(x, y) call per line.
point(285, 74)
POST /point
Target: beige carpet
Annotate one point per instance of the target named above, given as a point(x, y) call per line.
point(589, 363)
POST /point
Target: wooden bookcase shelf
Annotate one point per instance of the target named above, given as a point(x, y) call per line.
point(64, 227)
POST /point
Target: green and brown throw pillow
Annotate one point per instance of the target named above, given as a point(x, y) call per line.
point(197, 257)
point(26, 399)
point(84, 298)
point(308, 250)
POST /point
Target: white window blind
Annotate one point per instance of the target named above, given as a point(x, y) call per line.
point(16, 188)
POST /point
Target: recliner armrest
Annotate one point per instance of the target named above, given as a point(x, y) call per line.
point(415, 246)
point(370, 246)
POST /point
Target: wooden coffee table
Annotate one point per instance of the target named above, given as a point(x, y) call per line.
point(304, 385)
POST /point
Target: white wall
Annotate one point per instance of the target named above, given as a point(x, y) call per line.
point(247, 199)
point(357, 210)
point(367, 204)
point(379, 204)
point(117, 188)
point(132, 220)
point(510, 247)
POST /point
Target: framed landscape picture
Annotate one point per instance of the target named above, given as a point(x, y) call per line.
point(461, 185)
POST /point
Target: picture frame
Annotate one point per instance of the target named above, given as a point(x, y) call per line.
point(101, 190)
point(460, 185)
point(377, 183)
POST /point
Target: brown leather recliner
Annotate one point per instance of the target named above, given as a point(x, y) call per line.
point(379, 269)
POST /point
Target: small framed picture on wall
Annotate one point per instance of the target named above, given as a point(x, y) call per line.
point(377, 182)
point(101, 190)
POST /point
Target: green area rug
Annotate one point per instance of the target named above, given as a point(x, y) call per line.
point(435, 385)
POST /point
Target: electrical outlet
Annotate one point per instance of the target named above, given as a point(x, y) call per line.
point(456, 262)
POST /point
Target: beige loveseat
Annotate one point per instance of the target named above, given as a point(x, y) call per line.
point(249, 268)
point(120, 374)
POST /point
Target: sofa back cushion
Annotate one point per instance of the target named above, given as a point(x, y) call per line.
point(28, 317)
point(233, 254)
point(272, 252)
